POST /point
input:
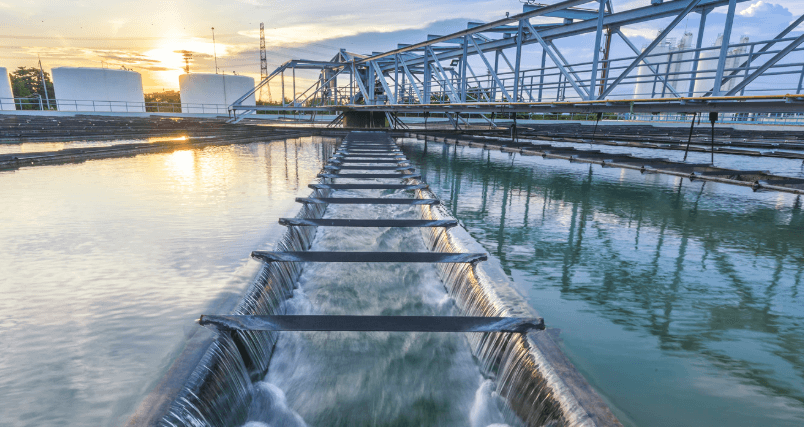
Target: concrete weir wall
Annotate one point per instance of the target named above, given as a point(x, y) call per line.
point(213, 89)
point(6, 95)
point(98, 89)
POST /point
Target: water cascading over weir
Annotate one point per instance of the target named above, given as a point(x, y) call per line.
point(221, 377)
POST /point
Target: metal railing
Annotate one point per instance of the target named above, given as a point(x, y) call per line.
point(724, 118)
point(99, 106)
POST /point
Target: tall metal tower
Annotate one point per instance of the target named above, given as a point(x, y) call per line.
point(263, 62)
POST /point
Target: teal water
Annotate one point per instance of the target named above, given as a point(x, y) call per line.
point(680, 302)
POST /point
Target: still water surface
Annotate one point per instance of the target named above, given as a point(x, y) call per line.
point(37, 147)
point(105, 264)
point(681, 302)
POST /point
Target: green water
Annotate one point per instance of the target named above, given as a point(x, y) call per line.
point(679, 301)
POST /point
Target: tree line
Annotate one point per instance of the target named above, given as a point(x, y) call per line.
point(26, 82)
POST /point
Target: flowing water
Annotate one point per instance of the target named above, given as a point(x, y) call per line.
point(104, 265)
point(680, 302)
point(372, 379)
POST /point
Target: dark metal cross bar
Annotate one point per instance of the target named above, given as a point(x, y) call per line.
point(364, 159)
point(373, 323)
point(366, 201)
point(363, 150)
point(390, 168)
point(374, 154)
point(310, 256)
point(368, 161)
point(367, 186)
point(368, 146)
point(368, 222)
point(788, 181)
point(370, 175)
point(730, 172)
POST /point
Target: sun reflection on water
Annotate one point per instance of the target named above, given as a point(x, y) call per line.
point(180, 166)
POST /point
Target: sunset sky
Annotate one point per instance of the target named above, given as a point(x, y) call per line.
point(145, 35)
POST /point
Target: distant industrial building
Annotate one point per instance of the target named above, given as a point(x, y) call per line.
point(98, 89)
point(674, 63)
point(669, 59)
point(6, 95)
point(735, 58)
point(207, 93)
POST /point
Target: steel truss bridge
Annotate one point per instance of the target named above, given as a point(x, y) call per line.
point(488, 68)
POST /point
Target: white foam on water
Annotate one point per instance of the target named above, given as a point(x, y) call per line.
point(370, 378)
point(486, 407)
point(271, 401)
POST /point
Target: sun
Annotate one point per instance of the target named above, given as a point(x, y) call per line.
point(171, 63)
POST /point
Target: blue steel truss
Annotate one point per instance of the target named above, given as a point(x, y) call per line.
point(462, 72)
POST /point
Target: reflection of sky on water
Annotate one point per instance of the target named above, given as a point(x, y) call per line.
point(105, 264)
point(679, 301)
point(7, 147)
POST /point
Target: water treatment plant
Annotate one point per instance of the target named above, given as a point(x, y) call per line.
point(552, 213)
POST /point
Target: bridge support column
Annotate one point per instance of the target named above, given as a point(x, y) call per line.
point(364, 119)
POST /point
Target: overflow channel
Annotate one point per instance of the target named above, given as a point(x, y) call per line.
point(395, 344)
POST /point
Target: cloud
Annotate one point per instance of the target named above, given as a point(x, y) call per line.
point(764, 9)
point(117, 24)
point(645, 33)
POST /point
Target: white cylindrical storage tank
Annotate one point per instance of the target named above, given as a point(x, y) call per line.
point(738, 55)
point(213, 93)
point(98, 89)
point(648, 85)
point(679, 69)
point(6, 95)
point(643, 81)
point(705, 77)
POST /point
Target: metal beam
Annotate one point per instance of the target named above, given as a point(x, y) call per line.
point(598, 39)
point(359, 81)
point(631, 16)
point(724, 48)
point(766, 65)
point(569, 13)
point(698, 43)
point(518, 61)
point(412, 80)
point(428, 257)
point(581, 91)
point(328, 222)
point(648, 64)
point(384, 84)
point(330, 323)
point(366, 201)
point(751, 57)
point(491, 70)
point(691, 4)
point(539, 12)
point(447, 83)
